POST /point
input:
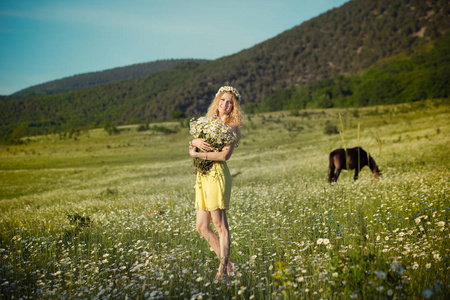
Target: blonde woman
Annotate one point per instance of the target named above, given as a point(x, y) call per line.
point(213, 190)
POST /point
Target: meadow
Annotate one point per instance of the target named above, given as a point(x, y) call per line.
point(99, 216)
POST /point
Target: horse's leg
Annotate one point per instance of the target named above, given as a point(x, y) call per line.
point(356, 174)
point(338, 172)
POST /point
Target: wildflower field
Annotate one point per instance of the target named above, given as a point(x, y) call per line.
point(98, 216)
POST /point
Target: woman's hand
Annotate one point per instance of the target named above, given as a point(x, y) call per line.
point(201, 144)
point(192, 152)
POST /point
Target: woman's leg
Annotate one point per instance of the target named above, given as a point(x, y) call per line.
point(220, 222)
point(204, 229)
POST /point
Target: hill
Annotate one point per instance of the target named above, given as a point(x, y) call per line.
point(92, 79)
point(336, 45)
point(401, 78)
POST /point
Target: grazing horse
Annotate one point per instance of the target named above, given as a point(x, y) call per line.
point(357, 158)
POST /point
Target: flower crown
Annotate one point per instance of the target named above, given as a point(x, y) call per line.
point(231, 89)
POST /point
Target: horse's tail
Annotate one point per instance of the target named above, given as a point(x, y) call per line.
point(331, 167)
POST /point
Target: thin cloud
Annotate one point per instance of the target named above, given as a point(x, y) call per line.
point(101, 19)
point(5, 30)
point(76, 15)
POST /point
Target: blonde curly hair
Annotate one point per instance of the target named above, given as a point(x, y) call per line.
point(235, 117)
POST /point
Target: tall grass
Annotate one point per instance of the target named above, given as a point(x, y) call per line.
point(293, 235)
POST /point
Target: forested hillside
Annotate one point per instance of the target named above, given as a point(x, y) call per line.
point(97, 78)
point(404, 77)
point(334, 59)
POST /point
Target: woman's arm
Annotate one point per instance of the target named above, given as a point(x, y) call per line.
point(200, 144)
point(223, 155)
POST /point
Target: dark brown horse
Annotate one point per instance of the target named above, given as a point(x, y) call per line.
point(357, 158)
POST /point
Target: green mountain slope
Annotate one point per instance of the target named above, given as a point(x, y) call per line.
point(406, 77)
point(340, 43)
point(92, 79)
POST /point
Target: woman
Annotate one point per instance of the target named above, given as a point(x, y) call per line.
point(213, 189)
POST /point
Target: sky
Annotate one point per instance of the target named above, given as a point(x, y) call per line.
point(45, 40)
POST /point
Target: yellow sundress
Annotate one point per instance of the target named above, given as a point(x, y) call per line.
point(213, 190)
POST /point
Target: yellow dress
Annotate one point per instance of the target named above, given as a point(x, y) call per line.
point(213, 190)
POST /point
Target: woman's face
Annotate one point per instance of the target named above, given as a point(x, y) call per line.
point(225, 104)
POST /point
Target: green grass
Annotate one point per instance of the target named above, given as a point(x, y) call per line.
point(378, 236)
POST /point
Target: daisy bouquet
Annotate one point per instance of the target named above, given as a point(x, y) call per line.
point(216, 133)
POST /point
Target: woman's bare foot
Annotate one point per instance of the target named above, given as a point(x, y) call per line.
point(230, 269)
point(222, 273)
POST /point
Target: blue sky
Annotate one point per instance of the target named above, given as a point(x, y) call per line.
point(44, 40)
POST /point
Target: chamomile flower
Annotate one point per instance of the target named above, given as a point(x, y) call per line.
point(394, 265)
point(400, 270)
point(216, 133)
point(427, 293)
point(381, 275)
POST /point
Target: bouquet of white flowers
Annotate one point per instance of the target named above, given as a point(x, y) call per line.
point(216, 133)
